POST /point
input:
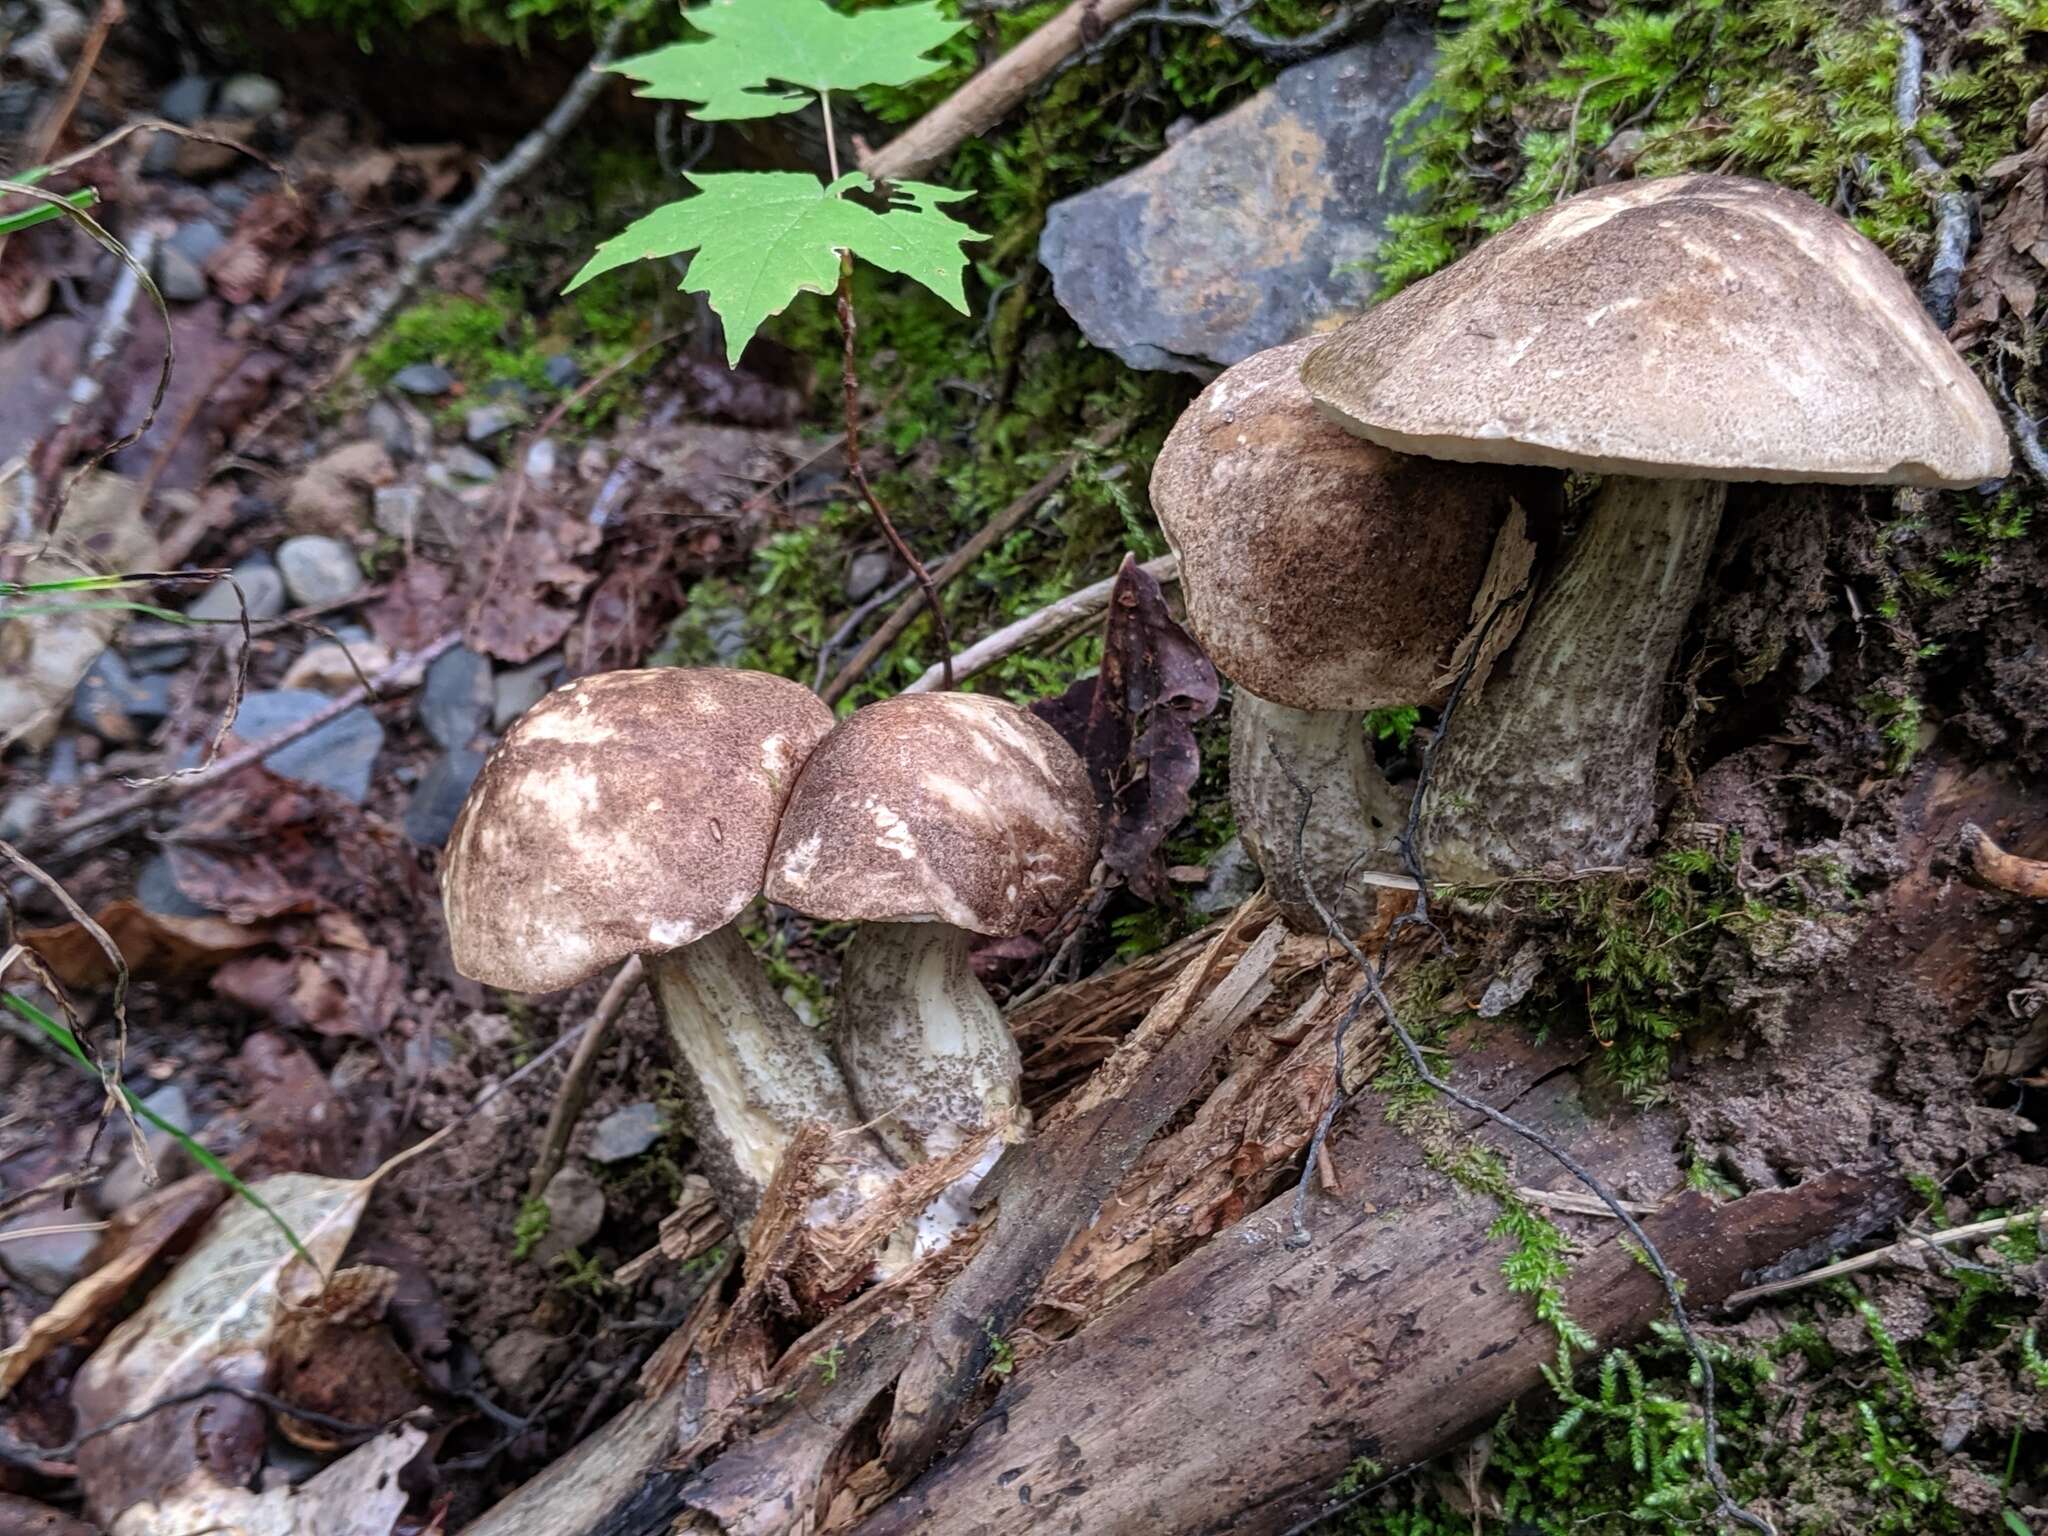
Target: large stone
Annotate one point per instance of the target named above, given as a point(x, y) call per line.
point(625, 1133)
point(262, 589)
point(336, 756)
point(1255, 228)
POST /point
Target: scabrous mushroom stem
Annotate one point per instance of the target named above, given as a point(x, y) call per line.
point(924, 1045)
point(752, 1072)
point(1354, 814)
point(1553, 766)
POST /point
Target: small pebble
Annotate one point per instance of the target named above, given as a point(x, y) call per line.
point(336, 756)
point(391, 427)
point(396, 510)
point(116, 705)
point(562, 371)
point(184, 102)
point(196, 241)
point(517, 690)
point(467, 464)
point(319, 571)
point(489, 421)
point(127, 1183)
point(178, 279)
point(625, 1132)
point(423, 379)
point(250, 96)
point(869, 573)
point(262, 589)
point(455, 700)
point(575, 1203)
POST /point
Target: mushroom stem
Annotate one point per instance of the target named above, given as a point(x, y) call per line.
point(751, 1073)
point(1354, 812)
point(1554, 765)
point(924, 1045)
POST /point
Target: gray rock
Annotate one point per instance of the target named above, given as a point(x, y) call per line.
point(196, 241)
point(562, 371)
point(625, 1132)
point(391, 427)
point(543, 458)
point(128, 1182)
point(517, 690)
point(318, 570)
point(869, 573)
point(489, 421)
point(336, 756)
point(157, 890)
point(184, 103)
point(466, 464)
point(726, 629)
point(455, 700)
point(62, 770)
point(262, 589)
point(437, 800)
point(522, 1360)
point(1255, 227)
point(20, 813)
point(178, 277)
point(19, 100)
point(157, 658)
point(575, 1203)
point(116, 705)
point(423, 379)
point(48, 1262)
point(161, 158)
point(1233, 876)
point(396, 509)
point(250, 96)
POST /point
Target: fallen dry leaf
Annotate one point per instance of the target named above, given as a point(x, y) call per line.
point(332, 494)
point(2010, 263)
point(409, 173)
point(418, 606)
point(249, 265)
point(335, 1354)
point(1133, 724)
point(151, 943)
point(333, 992)
point(211, 1320)
point(137, 1238)
point(360, 1495)
point(531, 601)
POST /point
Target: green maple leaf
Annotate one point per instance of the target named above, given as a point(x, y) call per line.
point(750, 46)
point(762, 237)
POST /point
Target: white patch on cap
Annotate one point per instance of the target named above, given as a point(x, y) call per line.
point(556, 723)
point(673, 933)
point(775, 757)
point(798, 863)
point(896, 836)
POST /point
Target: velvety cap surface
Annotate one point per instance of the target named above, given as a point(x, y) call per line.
point(938, 807)
point(1321, 571)
point(1698, 327)
point(627, 812)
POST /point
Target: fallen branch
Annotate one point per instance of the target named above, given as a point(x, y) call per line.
point(1891, 1253)
point(992, 92)
point(2006, 871)
point(404, 674)
point(1075, 607)
point(997, 528)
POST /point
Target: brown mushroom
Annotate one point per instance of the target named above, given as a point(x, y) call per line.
point(1672, 335)
point(632, 813)
point(1325, 576)
point(930, 818)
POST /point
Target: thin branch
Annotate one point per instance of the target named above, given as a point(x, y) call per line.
point(1076, 607)
point(985, 538)
point(1996, 867)
point(1891, 1253)
point(575, 1089)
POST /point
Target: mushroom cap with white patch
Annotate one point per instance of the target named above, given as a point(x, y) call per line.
point(626, 813)
point(1321, 571)
point(1698, 327)
point(937, 807)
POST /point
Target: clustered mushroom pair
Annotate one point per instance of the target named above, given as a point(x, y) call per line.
point(1334, 503)
point(642, 812)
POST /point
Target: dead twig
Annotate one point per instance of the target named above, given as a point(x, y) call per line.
point(997, 528)
point(111, 14)
point(575, 1089)
point(1080, 607)
point(1891, 1253)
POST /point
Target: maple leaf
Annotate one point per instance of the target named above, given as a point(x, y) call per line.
point(762, 237)
point(751, 46)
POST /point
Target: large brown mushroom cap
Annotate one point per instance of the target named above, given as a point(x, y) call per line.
point(1321, 571)
point(626, 813)
point(937, 807)
point(1700, 327)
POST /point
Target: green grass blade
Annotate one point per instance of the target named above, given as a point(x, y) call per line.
point(68, 1043)
point(28, 218)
